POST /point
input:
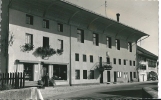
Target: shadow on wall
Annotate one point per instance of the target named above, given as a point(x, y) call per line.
point(96, 71)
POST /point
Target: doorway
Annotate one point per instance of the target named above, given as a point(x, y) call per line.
point(28, 70)
point(108, 76)
point(101, 78)
point(45, 69)
point(130, 76)
point(115, 76)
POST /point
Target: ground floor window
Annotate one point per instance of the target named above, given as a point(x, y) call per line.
point(125, 74)
point(60, 72)
point(28, 70)
point(84, 74)
point(77, 74)
point(91, 74)
point(118, 74)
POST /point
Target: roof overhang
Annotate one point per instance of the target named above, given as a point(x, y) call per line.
point(72, 14)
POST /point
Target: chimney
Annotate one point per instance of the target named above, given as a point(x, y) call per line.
point(117, 15)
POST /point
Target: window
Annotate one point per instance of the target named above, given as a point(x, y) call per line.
point(91, 58)
point(130, 46)
point(91, 74)
point(77, 74)
point(108, 42)
point(119, 61)
point(61, 44)
point(60, 27)
point(84, 74)
point(80, 35)
point(130, 63)
point(118, 74)
point(76, 57)
point(108, 60)
point(133, 63)
point(134, 74)
point(117, 44)
point(60, 72)
point(45, 23)
point(84, 58)
point(125, 74)
point(114, 60)
point(124, 62)
point(29, 19)
point(95, 39)
point(29, 39)
point(45, 42)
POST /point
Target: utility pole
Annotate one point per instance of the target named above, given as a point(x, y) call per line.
point(105, 8)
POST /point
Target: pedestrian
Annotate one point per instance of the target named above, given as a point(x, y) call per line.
point(53, 80)
point(47, 80)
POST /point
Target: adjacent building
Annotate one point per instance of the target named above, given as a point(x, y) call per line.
point(147, 62)
point(75, 45)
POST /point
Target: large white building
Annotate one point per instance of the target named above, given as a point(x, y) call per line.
point(80, 43)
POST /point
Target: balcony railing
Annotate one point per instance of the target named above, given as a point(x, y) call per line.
point(105, 66)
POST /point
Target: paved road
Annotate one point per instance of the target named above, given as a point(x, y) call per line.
point(128, 91)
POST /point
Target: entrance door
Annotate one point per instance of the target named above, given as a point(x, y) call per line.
point(28, 70)
point(115, 77)
point(108, 76)
point(100, 64)
point(45, 69)
point(130, 76)
point(101, 78)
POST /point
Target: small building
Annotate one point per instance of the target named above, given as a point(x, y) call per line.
point(76, 45)
point(147, 63)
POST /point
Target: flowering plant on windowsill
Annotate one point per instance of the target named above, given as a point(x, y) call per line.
point(27, 47)
point(60, 51)
point(45, 52)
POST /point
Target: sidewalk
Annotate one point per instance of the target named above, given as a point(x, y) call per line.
point(50, 91)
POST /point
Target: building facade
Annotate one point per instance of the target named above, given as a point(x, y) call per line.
point(73, 44)
point(147, 62)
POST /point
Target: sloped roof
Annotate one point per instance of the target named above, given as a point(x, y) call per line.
point(143, 52)
point(66, 12)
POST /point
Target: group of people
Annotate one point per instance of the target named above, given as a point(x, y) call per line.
point(47, 81)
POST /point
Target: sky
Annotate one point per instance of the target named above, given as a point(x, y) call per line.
point(139, 14)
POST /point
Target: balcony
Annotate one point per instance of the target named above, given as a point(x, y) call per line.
point(104, 66)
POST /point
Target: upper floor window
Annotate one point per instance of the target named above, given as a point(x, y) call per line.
point(76, 57)
point(45, 42)
point(114, 60)
point(119, 61)
point(60, 27)
point(133, 63)
point(84, 58)
point(108, 42)
point(95, 39)
point(29, 39)
point(80, 35)
point(108, 60)
point(117, 42)
point(45, 23)
point(29, 19)
point(61, 44)
point(130, 46)
point(124, 62)
point(91, 58)
point(84, 74)
point(130, 63)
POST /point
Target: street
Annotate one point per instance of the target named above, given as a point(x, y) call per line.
point(128, 91)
